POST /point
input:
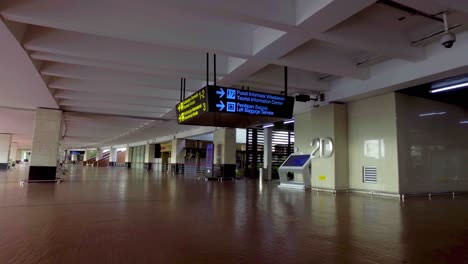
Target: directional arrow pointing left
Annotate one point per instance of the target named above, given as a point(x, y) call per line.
point(220, 92)
point(220, 106)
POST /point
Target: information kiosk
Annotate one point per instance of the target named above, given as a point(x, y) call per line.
point(299, 166)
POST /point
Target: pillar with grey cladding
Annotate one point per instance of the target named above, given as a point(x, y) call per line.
point(13, 150)
point(99, 154)
point(45, 147)
point(112, 157)
point(224, 163)
point(178, 156)
point(19, 154)
point(267, 153)
point(128, 156)
point(149, 155)
point(5, 142)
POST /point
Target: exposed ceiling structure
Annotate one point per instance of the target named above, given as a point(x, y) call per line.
point(114, 66)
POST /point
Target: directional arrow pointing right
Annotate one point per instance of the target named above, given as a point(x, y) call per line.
point(220, 92)
point(220, 105)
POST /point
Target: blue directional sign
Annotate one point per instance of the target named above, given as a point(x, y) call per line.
point(230, 107)
point(231, 100)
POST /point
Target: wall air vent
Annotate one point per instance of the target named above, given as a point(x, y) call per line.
point(369, 174)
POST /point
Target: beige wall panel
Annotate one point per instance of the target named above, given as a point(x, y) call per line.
point(372, 137)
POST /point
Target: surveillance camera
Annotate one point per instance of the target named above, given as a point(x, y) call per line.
point(448, 39)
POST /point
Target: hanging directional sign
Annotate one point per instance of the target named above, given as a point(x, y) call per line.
point(193, 106)
point(230, 107)
point(231, 100)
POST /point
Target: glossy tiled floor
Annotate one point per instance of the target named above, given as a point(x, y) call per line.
point(120, 216)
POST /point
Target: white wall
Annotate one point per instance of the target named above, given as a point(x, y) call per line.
point(372, 137)
point(433, 149)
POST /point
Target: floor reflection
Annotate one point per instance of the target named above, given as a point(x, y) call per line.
point(116, 215)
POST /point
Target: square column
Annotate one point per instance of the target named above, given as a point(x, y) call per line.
point(19, 153)
point(61, 152)
point(128, 156)
point(45, 147)
point(323, 132)
point(149, 155)
point(224, 162)
point(112, 157)
point(99, 154)
point(267, 153)
point(63, 155)
point(26, 155)
point(178, 156)
point(13, 151)
point(5, 143)
point(86, 155)
point(74, 158)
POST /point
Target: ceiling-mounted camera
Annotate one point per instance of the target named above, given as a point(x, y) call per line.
point(448, 38)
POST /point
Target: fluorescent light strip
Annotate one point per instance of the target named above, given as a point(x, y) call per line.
point(268, 125)
point(451, 87)
point(464, 122)
point(288, 121)
point(433, 113)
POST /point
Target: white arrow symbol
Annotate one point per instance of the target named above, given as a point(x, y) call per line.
point(220, 92)
point(220, 106)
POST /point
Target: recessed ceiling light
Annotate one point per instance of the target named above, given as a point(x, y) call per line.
point(433, 113)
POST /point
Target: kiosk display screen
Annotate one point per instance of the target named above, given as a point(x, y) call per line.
point(296, 161)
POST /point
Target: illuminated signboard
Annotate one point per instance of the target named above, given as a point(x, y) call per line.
point(231, 100)
point(230, 107)
point(193, 106)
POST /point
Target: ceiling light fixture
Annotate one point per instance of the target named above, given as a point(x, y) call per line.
point(288, 121)
point(268, 125)
point(451, 87)
point(433, 113)
point(464, 122)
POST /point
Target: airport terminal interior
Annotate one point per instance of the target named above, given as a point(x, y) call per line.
point(247, 131)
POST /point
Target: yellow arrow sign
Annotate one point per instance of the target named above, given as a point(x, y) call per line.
point(181, 117)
